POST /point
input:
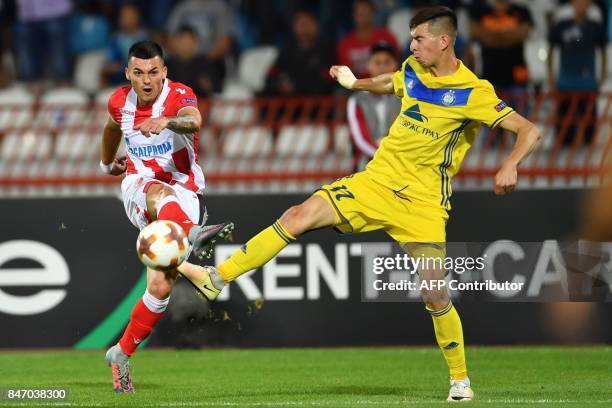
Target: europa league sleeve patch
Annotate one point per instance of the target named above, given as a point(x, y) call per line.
point(500, 106)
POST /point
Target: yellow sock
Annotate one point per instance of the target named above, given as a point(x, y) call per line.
point(449, 335)
point(256, 252)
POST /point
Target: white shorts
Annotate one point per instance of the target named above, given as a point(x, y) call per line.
point(134, 191)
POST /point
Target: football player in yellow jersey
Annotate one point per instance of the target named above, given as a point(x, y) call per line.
point(405, 189)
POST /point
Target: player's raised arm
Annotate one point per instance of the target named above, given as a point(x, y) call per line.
point(187, 121)
point(527, 136)
point(111, 139)
point(381, 84)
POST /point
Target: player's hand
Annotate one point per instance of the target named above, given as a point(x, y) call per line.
point(119, 166)
point(343, 75)
point(152, 126)
point(505, 179)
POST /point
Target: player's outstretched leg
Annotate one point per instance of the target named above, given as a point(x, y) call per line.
point(313, 213)
point(204, 279)
point(446, 321)
point(145, 315)
point(163, 204)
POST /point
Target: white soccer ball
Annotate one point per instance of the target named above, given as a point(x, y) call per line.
point(162, 245)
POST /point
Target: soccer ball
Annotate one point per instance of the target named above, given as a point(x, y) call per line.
point(162, 245)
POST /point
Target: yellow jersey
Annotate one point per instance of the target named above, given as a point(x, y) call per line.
point(437, 125)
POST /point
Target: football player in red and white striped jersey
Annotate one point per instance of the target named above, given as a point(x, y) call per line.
point(159, 121)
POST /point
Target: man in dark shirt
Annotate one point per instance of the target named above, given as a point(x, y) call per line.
point(302, 64)
point(577, 38)
point(502, 29)
point(191, 67)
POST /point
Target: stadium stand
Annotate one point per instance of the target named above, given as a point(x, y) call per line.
point(259, 144)
point(49, 144)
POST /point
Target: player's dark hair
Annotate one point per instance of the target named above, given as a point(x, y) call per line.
point(146, 50)
point(384, 47)
point(439, 16)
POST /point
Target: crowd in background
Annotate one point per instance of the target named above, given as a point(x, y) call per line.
point(43, 40)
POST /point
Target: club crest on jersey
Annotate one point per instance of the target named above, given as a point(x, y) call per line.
point(449, 97)
point(410, 84)
point(182, 91)
point(150, 150)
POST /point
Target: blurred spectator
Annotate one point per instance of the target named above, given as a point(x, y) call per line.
point(502, 29)
point(212, 20)
point(89, 28)
point(354, 49)
point(577, 39)
point(302, 65)
point(567, 12)
point(42, 40)
point(153, 12)
point(130, 31)
point(187, 65)
point(369, 115)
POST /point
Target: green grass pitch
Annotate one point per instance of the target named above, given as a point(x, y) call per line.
point(342, 377)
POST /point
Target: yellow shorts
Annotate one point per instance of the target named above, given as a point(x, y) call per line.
point(363, 205)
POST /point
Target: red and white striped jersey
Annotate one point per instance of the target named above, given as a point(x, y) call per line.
point(169, 156)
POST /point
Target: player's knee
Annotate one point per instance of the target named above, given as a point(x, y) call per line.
point(158, 191)
point(296, 219)
point(435, 299)
point(160, 288)
point(155, 194)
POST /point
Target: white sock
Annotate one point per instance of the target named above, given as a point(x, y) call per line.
point(153, 304)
